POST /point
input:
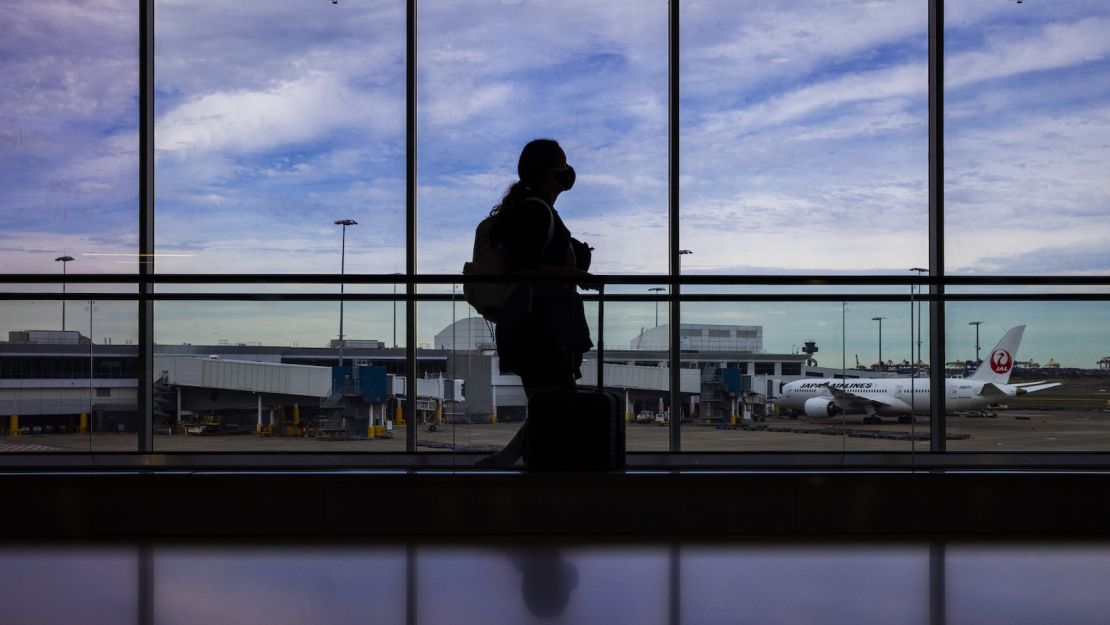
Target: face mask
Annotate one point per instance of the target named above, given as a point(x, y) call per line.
point(565, 178)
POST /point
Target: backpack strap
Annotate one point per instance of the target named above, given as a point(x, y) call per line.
point(550, 223)
point(546, 243)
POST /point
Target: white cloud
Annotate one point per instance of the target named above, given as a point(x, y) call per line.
point(301, 110)
point(897, 82)
point(1056, 45)
point(730, 57)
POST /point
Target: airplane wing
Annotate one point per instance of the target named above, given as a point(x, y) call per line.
point(991, 389)
point(1038, 387)
point(1028, 383)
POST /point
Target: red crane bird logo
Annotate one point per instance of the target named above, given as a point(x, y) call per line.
point(1001, 361)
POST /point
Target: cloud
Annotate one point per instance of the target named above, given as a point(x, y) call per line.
point(803, 137)
point(1084, 257)
point(307, 109)
point(1055, 46)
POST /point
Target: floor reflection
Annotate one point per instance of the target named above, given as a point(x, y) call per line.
point(547, 582)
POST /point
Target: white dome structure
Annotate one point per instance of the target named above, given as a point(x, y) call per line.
point(472, 333)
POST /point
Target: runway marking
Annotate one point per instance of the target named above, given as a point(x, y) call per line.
point(9, 448)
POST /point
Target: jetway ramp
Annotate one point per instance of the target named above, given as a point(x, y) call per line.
point(640, 378)
point(242, 375)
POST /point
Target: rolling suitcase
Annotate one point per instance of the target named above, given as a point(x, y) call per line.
point(579, 430)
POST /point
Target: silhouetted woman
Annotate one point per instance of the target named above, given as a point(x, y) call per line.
point(541, 331)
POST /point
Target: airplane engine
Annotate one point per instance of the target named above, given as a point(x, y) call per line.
point(820, 408)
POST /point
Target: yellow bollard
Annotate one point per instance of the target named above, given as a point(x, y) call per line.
point(370, 429)
point(628, 416)
point(439, 413)
point(400, 420)
point(294, 428)
point(13, 425)
point(493, 417)
point(732, 419)
point(379, 430)
point(83, 428)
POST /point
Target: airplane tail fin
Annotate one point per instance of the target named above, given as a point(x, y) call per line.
point(998, 364)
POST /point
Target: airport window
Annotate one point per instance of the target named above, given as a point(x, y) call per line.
point(294, 138)
point(802, 133)
point(68, 155)
point(1055, 157)
point(255, 240)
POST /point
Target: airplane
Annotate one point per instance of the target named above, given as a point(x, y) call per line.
point(891, 397)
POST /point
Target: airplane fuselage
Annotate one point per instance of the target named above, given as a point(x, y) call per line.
point(888, 396)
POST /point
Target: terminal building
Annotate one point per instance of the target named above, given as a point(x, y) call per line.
point(45, 378)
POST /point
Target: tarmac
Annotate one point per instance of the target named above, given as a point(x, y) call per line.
point(1009, 430)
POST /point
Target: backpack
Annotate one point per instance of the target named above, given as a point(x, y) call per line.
point(489, 259)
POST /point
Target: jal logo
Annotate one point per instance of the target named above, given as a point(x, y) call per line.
point(1001, 361)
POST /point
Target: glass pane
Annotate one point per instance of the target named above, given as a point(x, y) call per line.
point(802, 122)
point(273, 121)
point(73, 584)
point(768, 376)
point(1027, 86)
point(811, 584)
point(549, 583)
point(467, 405)
point(72, 390)
point(69, 142)
point(1026, 584)
point(1042, 381)
point(265, 376)
point(637, 341)
point(493, 407)
point(300, 584)
point(495, 74)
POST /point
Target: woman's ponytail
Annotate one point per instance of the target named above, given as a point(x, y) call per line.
point(517, 192)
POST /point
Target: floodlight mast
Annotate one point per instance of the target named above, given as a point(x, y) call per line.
point(976, 324)
point(342, 271)
point(882, 367)
point(919, 270)
point(64, 260)
point(656, 289)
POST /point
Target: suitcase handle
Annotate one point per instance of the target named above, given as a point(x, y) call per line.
point(601, 336)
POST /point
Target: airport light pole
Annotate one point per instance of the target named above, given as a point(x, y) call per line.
point(919, 271)
point(92, 308)
point(882, 367)
point(976, 324)
point(64, 260)
point(657, 289)
point(342, 271)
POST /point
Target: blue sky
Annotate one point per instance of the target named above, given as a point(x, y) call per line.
point(804, 135)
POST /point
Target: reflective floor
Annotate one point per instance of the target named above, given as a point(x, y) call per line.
point(581, 583)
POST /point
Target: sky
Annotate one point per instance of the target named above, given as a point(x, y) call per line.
point(803, 140)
